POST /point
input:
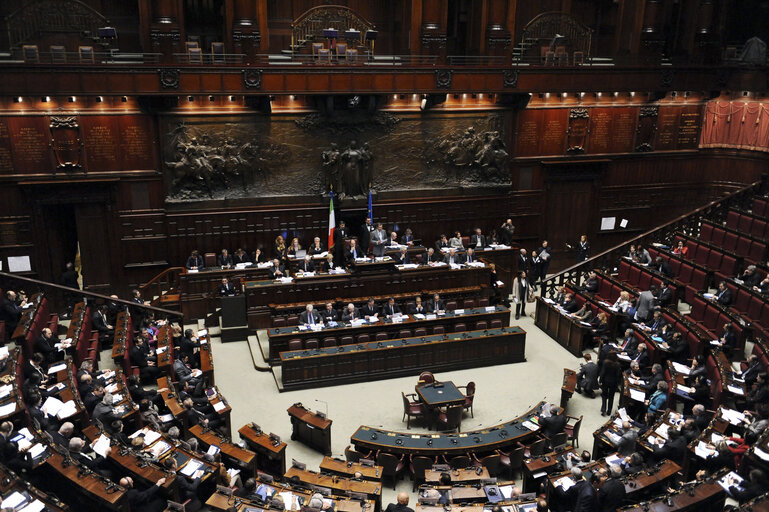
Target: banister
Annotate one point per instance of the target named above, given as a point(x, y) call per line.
point(94, 295)
point(688, 222)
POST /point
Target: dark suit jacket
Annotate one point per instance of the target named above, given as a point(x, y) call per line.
point(665, 297)
point(147, 500)
point(329, 316)
point(315, 250)
point(45, 347)
point(405, 239)
point(571, 306)
point(724, 297)
point(351, 256)
point(99, 322)
point(523, 263)
point(346, 316)
point(591, 284)
point(304, 317)
point(138, 356)
point(431, 307)
point(226, 289)
point(187, 346)
point(434, 258)
point(367, 310)
point(403, 259)
point(665, 268)
point(474, 241)
point(195, 261)
point(553, 425)
point(396, 507)
point(390, 311)
point(582, 497)
point(223, 261)
point(273, 272)
point(457, 259)
point(611, 494)
point(413, 309)
point(306, 266)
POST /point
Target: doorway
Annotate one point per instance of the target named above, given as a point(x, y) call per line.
point(61, 235)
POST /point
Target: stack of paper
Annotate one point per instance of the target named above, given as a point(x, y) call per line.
point(101, 445)
point(57, 368)
point(732, 416)
point(6, 390)
point(530, 425)
point(701, 450)
point(681, 368)
point(68, 409)
point(637, 395)
point(37, 450)
point(219, 406)
point(191, 467)
point(565, 483)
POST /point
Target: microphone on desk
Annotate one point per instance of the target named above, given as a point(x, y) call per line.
point(324, 403)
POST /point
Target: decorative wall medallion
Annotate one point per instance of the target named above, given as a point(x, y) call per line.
point(510, 78)
point(66, 143)
point(252, 78)
point(443, 78)
point(169, 78)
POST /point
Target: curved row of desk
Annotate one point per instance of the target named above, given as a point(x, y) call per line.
point(477, 441)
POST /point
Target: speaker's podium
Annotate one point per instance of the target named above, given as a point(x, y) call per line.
point(234, 322)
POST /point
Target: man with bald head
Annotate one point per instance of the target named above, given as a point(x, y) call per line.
point(45, 344)
point(402, 505)
point(147, 500)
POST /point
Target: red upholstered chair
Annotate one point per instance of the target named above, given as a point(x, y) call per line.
point(295, 345)
point(482, 325)
point(420, 331)
point(439, 329)
point(404, 333)
point(311, 344)
point(426, 377)
point(279, 321)
point(469, 395)
point(380, 336)
point(392, 466)
point(364, 338)
point(412, 409)
point(496, 324)
point(451, 419)
point(468, 303)
point(329, 342)
point(347, 340)
point(461, 327)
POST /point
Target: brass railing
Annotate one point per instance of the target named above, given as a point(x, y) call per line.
point(164, 282)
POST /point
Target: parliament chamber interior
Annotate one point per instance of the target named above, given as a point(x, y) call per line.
point(229, 228)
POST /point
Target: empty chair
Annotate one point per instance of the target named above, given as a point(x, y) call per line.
point(460, 462)
point(86, 54)
point(292, 320)
point(392, 466)
point(209, 259)
point(558, 440)
point(347, 340)
point(310, 344)
point(58, 54)
point(451, 305)
point(352, 56)
point(493, 463)
point(419, 464)
point(341, 50)
point(483, 303)
point(295, 344)
point(512, 460)
point(353, 456)
point(468, 304)
point(460, 327)
point(427, 377)
point(30, 54)
point(279, 322)
point(469, 395)
point(195, 56)
point(536, 448)
point(579, 58)
point(572, 430)
point(412, 409)
point(420, 331)
point(217, 53)
point(439, 329)
point(191, 44)
point(329, 342)
point(324, 55)
point(496, 324)
point(404, 333)
point(316, 47)
point(381, 336)
point(451, 420)
point(364, 338)
point(482, 325)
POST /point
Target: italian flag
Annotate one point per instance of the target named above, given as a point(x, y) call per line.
point(331, 222)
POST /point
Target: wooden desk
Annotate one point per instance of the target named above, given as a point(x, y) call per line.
point(401, 357)
point(221, 502)
point(122, 339)
point(484, 440)
point(546, 463)
point(439, 394)
point(348, 469)
point(143, 471)
point(10, 483)
point(271, 458)
point(171, 399)
point(79, 330)
point(38, 302)
point(232, 454)
point(476, 507)
point(310, 428)
point(463, 475)
point(279, 337)
point(90, 486)
point(197, 295)
point(339, 486)
point(12, 376)
point(702, 496)
point(322, 287)
point(568, 332)
point(568, 386)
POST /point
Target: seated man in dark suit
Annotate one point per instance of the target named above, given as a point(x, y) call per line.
point(391, 308)
point(309, 316)
point(665, 295)
point(570, 305)
point(553, 424)
point(148, 500)
point(241, 256)
point(442, 243)
point(430, 257)
point(277, 270)
point(354, 253)
point(316, 247)
point(452, 258)
point(673, 449)
point(723, 294)
point(99, 323)
point(662, 266)
point(45, 344)
point(611, 491)
point(407, 238)
point(656, 323)
point(306, 265)
point(591, 283)
point(370, 309)
point(728, 339)
point(403, 257)
point(226, 288)
point(436, 305)
point(478, 241)
point(417, 308)
point(329, 314)
point(469, 256)
point(195, 261)
point(224, 259)
point(350, 313)
point(401, 506)
point(142, 357)
point(92, 461)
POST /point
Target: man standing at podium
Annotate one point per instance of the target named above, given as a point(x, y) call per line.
point(226, 288)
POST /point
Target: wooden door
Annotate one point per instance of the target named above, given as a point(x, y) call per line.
point(93, 234)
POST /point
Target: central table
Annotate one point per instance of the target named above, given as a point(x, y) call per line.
point(440, 394)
